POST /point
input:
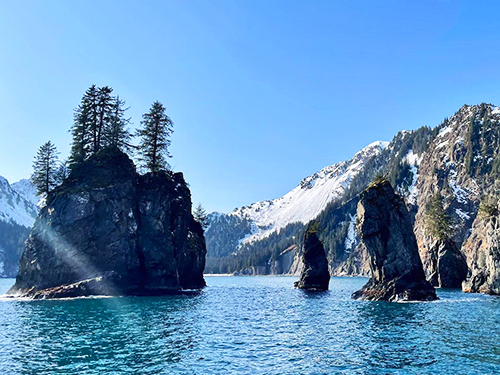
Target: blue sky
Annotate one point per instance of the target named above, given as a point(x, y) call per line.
point(262, 93)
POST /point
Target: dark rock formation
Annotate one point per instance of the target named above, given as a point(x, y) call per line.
point(385, 228)
point(315, 275)
point(483, 252)
point(449, 267)
point(109, 230)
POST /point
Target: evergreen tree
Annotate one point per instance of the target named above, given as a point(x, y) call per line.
point(45, 166)
point(438, 221)
point(104, 104)
point(62, 171)
point(201, 216)
point(80, 134)
point(84, 129)
point(116, 132)
point(90, 99)
point(155, 138)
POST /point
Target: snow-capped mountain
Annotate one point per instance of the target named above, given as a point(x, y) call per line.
point(27, 190)
point(18, 212)
point(17, 206)
point(308, 199)
point(458, 159)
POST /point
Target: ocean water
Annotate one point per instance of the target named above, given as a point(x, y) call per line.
point(251, 325)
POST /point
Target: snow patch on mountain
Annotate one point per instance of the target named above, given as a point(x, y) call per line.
point(308, 199)
point(414, 161)
point(350, 240)
point(27, 190)
point(14, 207)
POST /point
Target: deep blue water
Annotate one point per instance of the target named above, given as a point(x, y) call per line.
point(251, 325)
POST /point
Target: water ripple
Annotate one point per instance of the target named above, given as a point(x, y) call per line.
point(244, 325)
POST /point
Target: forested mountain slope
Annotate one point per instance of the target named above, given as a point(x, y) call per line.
point(458, 160)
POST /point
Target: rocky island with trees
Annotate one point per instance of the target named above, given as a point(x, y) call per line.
point(105, 228)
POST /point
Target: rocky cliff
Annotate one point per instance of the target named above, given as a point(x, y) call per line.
point(109, 230)
point(385, 228)
point(459, 159)
point(482, 249)
point(447, 267)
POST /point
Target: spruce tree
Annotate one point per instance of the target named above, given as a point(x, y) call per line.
point(439, 222)
point(116, 132)
point(62, 171)
point(155, 138)
point(45, 166)
point(80, 134)
point(201, 216)
point(91, 98)
point(84, 129)
point(104, 105)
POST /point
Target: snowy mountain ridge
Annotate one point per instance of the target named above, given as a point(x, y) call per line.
point(27, 190)
point(308, 199)
point(17, 203)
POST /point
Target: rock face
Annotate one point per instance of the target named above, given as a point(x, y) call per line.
point(448, 265)
point(109, 230)
point(385, 228)
point(315, 275)
point(483, 254)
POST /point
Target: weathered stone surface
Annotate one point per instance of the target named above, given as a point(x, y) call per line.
point(448, 266)
point(385, 228)
point(315, 275)
point(482, 249)
point(108, 220)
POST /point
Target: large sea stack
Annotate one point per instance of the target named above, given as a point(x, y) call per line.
point(482, 249)
point(108, 230)
point(315, 275)
point(385, 228)
point(448, 267)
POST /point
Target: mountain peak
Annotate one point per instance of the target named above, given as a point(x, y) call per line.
point(308, 199)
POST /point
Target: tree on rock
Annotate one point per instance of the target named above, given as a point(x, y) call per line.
point(99, 121)
point(104, 106)
point(438, 221)
point(155, 138)
point(45, 167)
point(116, 133)
point(84, 128)
point(201, 216)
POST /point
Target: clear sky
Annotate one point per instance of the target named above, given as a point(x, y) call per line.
point(262, 93)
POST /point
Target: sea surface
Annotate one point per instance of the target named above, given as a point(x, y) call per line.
point(251, 325)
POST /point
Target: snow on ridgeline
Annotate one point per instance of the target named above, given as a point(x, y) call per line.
point(15, 206)
point(27, 191)
point(308, 199)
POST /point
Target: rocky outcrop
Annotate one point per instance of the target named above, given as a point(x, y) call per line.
point(385, 228)
point(315, 275)
point(448, 267)
point(482, 249)
point(460, 165)
point(109, 230)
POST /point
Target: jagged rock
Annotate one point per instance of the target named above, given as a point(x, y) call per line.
point(483, 254)
point(385, 228)
point(108, 220)
point(449, 267)
point(315, 275)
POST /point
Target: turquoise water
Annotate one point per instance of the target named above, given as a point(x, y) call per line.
point(251, 325)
